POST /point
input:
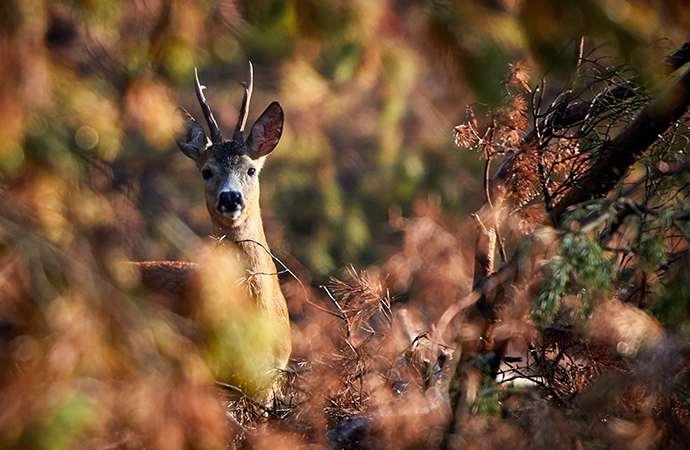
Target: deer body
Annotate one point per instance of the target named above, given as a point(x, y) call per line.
point(230, 170)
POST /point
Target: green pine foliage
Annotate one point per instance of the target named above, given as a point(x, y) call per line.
point(580, 267)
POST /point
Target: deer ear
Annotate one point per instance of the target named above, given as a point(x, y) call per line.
point(189, 135)
point(266, 131)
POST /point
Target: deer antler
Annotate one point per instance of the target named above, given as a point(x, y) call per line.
point(244, 109)
point(216, 137)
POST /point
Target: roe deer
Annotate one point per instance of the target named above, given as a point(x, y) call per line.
point(230, 170)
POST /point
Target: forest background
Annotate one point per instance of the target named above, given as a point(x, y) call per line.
point(368, 174)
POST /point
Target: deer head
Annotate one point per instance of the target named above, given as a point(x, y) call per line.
point(230, 168)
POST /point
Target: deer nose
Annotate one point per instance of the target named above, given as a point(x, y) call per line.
point(230, 201)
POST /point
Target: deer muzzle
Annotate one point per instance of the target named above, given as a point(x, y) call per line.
point(230, 203)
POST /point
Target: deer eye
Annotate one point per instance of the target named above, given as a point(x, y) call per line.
point(251, 171)
point(207, 174)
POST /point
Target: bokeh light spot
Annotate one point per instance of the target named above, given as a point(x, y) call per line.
point(86, 138)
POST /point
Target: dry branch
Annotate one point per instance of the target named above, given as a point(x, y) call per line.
point(616, 158)
point(576, 112)
point(620, 153)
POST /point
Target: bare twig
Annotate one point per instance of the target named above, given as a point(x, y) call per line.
point(620, 153)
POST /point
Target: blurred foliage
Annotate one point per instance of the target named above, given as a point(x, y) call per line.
point(370, 89)
point(366, 174)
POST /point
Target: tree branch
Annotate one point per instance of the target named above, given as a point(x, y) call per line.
point(578, 111)
point(622, 152)
point(617, 157)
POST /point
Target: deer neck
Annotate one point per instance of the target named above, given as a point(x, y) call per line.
point(250, 240)
point(250, 229)
point(262, 276)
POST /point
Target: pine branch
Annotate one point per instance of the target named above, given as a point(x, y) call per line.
point(617, 157)
point(620, 153)
point(574, 113)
